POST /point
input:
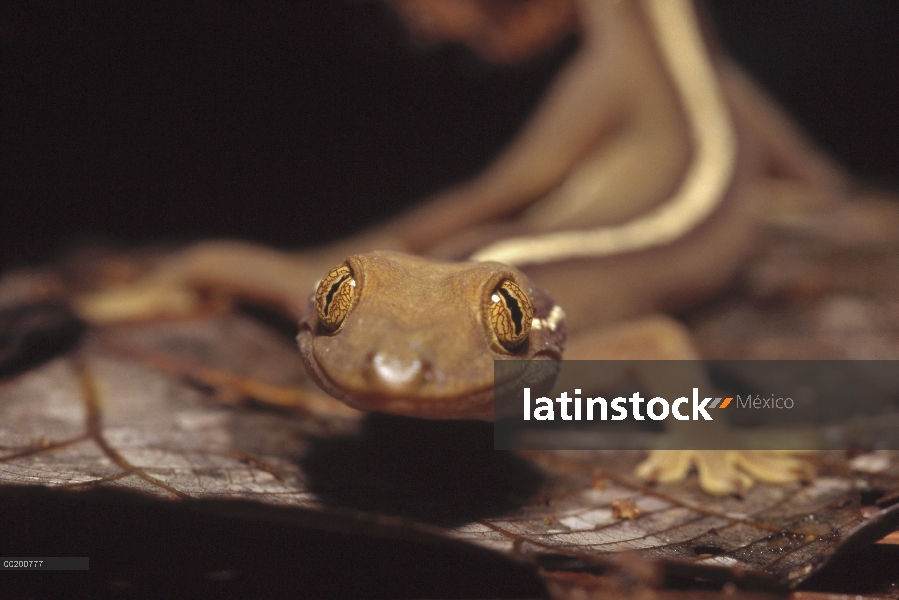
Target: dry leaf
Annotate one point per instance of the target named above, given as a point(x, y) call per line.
point(118, 416)
point(161, 409)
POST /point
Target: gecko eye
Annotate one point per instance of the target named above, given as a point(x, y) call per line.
point(335, 296)
point(510, 314)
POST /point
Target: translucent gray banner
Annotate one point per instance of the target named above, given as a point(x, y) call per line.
point(694, 405)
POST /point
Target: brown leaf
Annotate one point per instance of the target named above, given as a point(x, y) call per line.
point(218, 408)
point(120, 415)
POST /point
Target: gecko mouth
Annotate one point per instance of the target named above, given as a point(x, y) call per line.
point(538, 373)
point(401, 393)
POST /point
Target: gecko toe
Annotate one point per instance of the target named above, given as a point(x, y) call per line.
point(724, 472)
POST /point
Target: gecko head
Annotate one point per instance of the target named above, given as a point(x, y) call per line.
point(395, 333)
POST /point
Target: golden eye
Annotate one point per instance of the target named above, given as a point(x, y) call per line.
point(334, 297)
point(510, 314)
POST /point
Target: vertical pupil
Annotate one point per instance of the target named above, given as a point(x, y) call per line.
point(514, 308)
point(336, 286)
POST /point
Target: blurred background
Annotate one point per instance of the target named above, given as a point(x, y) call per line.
point(296, 122)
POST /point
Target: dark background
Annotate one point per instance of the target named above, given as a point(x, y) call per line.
point(296, 122)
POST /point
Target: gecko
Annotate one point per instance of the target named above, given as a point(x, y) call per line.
point(391, 332)
point(634, 191)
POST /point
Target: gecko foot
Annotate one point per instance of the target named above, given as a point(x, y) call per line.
point(723, 472)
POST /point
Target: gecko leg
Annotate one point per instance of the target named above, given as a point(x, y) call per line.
point(227, 268)
point(720, 471)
